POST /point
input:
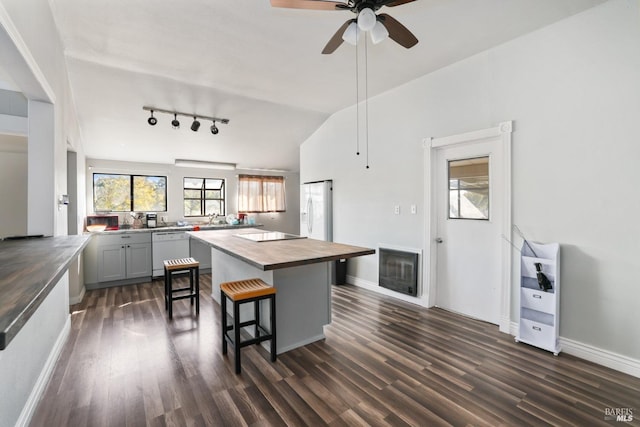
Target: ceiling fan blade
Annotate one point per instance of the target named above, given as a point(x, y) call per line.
point(336, 40)
point(397, 2)
point(309, 4)
point(398, 32)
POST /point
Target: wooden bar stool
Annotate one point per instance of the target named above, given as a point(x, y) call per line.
point(241, 292)
point(189, 265)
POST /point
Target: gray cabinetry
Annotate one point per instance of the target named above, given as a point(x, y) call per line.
point(116, 258)
point(201, 252)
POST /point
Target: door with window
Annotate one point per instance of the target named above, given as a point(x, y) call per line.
point(469, 199)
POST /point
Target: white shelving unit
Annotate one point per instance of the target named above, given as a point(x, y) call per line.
point(539, 310)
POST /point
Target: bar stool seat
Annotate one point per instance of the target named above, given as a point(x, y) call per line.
point(192, 291)
point(241, 292)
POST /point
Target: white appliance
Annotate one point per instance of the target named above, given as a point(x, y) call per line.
point(168, 245)
point(316, 210)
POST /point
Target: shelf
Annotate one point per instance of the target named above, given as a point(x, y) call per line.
point(539, 310)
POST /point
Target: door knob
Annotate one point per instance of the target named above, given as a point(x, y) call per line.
point(439, 240)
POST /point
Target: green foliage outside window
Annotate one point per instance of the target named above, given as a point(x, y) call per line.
point(129, 193)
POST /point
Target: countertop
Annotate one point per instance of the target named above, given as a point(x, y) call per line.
point(280, 253)
point(29, 269)
point(175, 228)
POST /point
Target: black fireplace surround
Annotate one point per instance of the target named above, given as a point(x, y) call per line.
point(398, 271)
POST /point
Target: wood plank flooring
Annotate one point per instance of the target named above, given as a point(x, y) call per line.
point(383, 362)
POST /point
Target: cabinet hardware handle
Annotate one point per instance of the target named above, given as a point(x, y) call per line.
point(537, 328)
point(125, 237)
point(128, 246)
point(122, 246)
point(537, 296)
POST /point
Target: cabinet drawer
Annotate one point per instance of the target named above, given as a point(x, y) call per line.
point(538, 334)
point(124, 238)
point(538, 300)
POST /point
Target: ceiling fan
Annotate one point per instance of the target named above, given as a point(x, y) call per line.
point(379, 26)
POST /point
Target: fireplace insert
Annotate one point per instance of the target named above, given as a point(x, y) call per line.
point(398, 271)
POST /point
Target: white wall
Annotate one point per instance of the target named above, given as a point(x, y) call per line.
point(573, 92)
point(13, 185)
point(288, 221)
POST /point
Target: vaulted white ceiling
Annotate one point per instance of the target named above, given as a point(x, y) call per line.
point(256, 65)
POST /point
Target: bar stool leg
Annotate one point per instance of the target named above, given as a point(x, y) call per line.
point(169, 291)
point(256, 316)
point(273, 327)
point(197, 272)
point(223, 309)
point(191, 285)
point(166, 299)
point(236, 334)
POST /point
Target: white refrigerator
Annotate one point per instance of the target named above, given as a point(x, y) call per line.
point(316, 210)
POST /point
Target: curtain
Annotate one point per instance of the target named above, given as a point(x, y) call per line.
point(261, 194)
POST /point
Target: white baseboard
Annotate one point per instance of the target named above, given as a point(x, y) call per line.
point(593, 354)
point(372, 286)
point(43, 379)
point(78, 298)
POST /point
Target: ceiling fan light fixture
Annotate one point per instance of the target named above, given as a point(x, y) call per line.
point(152, 120)
point(366, 19)
point(175, 123)
point(195, 125)
point(379, 33)
point(352, 34)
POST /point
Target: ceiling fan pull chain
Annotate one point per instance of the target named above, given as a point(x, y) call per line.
point(357, 102)
point(366, 95)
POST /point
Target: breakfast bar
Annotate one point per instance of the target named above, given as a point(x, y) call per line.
point(299, 269)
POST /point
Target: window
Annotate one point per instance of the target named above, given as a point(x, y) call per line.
point(469, 188)
point(203, 196)
point(261, 194)
point(129, 193)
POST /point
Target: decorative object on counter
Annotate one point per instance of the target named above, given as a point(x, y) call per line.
point(175, 123)
point(137, 219)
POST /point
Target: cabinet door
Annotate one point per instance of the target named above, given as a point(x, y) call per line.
point(111, 263)
point(138, 260)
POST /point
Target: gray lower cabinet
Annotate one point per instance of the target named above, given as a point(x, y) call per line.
point(119, 257)
point(202, 253)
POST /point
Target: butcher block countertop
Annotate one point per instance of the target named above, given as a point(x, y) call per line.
point(273, 255)
point(29, 270)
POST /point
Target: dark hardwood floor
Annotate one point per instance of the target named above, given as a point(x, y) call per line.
point(383, 362)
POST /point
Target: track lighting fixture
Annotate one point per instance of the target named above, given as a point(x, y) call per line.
point(175, 123)
point(195, 125)
point(152, 120)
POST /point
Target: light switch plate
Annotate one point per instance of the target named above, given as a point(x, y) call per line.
point(396, 209)
point(414, 209)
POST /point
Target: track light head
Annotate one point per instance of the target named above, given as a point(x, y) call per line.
point(195, 125)
point(214, 129)
point(152, 120)
point(175, 123)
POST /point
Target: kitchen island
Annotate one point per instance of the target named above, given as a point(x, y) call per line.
point(299, 269)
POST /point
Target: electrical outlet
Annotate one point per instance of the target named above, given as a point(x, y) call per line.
point(396, 209)
point(414, 209)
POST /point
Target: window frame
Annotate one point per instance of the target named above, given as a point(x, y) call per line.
point(131, 190)
point(203, 195)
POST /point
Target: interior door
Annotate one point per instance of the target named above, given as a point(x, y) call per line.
point(469, 223)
